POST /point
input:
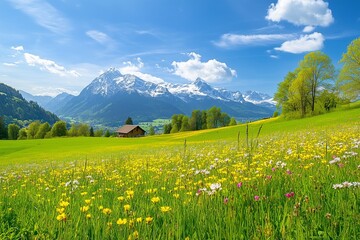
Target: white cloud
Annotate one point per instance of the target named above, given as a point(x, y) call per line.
point(44, 14)
point(99, 37)
point(49, 65)
point(305, 43)
point(230, 40)
point(301, 12)
point(51, 91)
point(308, 29)
point(274, 56)
point(135, 69)
point(18, 48)
point(9, 64)
point(210, 71)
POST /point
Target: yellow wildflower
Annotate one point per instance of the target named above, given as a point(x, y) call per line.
point(126, 207)
point(61, 217)
point(84, 208)
point(155, 199)
point(121, 221)
point(148, 220)
point(165, 209)
point(106, 211)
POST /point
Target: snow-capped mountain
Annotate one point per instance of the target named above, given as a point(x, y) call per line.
point(112, 96)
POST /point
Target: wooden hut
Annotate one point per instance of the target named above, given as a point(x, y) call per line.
point(130, 131)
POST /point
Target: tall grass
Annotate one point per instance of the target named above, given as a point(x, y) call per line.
point(302, 185)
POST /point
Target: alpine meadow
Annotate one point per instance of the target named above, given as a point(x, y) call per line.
point(135, 120)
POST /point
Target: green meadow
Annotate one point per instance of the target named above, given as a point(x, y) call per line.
point(269, 179)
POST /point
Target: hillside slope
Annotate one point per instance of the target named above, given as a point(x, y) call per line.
point(15, 108)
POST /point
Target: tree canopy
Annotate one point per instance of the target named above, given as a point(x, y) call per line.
point(349, 77)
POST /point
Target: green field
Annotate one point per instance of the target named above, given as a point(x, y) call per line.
point(295, 179)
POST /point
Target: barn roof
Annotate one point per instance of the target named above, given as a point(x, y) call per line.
point(128, 128)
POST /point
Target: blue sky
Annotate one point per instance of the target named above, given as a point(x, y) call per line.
point(48, 47)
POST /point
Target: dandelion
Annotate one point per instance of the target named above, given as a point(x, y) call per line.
point(61, 217)
point(139, 219)
point(64, 204)
point(148, 220)
point(155, 199)
point(176, 195)
point(88, 216)
point(106, 211)
point(84, 208)
point(121, 221)
point(165, 209)
point(121, 198)
point(126, 207)
point(87, 201)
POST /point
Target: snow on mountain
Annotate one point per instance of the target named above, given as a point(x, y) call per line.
point(258, 98)
point(112, 82)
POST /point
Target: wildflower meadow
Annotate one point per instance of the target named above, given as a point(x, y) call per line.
point(301, 185)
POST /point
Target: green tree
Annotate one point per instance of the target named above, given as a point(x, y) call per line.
point(185, 124)
point(43, 130)
point(99, 132)
point(195, 121)
point(167, 128)
point(301, 89)
point(73, 131)
point(59, 129)
point(318, 71)
point(13, 131)
point(3, 130)
point(91, 132)
point(83, 130)
point(224, 120)
point(33, 128)
point(213, 117)
point(129, 121)
point(349, 77)
point(22, 134)
point(174, 128)
point(203, 119)
point(232, 122)
point(151, 130)
point(107, 133)
point(282, 94)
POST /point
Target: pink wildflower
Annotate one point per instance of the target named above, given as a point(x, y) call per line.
point(290, 194)
point(256, 198)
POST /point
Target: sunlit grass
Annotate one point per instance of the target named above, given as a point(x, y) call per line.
point(285, 184)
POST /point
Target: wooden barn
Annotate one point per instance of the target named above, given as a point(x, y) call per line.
point(130, 131)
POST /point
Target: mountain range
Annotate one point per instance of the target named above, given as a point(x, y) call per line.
point(112, 97)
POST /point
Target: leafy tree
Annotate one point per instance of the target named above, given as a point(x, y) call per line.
point(203, 119)
point(151, 130)
point(99, 132)
point(318, 71)
point(195, 120)
point(91, 132)
point(22, 134)
point(167, 128)
point(33, 128)
point(232, 122)
point(282, 94)
point(43, 130)
point(83, 130)
point(59, 129)
point(224, 120)
point(3, 130)
point(349, 77)
point(301, 89)
point(174, 128)
point(107, 133)
point(185, 124)
point(213, 117)
point(329, 100)
point(129, 121)
point(13, 131)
